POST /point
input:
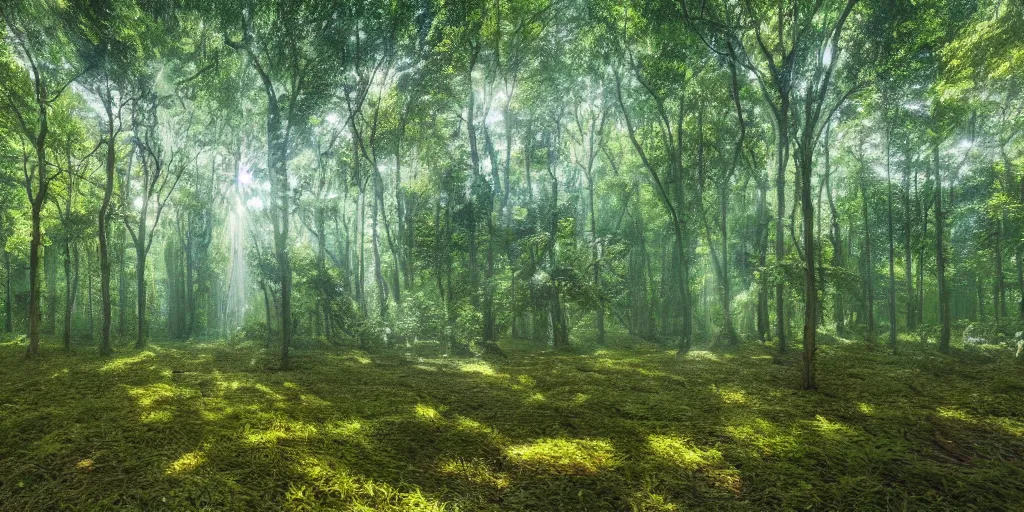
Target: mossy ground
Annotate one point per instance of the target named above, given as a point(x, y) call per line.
point(215, 427)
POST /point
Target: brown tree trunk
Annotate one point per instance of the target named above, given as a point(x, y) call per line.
point(940, 256)
point(8, 307)
point(811, 289)
point(69, 296)
point(782, 157)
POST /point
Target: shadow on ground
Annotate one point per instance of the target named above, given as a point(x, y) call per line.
point(187, 427)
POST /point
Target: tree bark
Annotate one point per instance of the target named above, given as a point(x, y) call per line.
point(940, 256)
point(892, 246)
point(869, 274)
point(8, 306)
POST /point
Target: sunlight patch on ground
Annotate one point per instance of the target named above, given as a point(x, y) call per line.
point(123, 363)
point(681, 452)
point(314, 400)
point(15, 341)
point(480, 367)
point(426, 412)
point(324, 479)
point(279, 430)
point(651, 502)
point(474, 471)
point(953, 413)
point(1011, 426)
point(353, 430)
point(149, 395)
point(564, 456)
point(269, 392)
point(85, 464)
point(732, 395)
point(470, 425)
point(156, 417)
point(764, 436)
point(866, 408)
point(536, 397)
point(829, 427)
point(186, 462)
point(702, 355)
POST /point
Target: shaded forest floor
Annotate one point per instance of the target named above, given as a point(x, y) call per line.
point(213, 426)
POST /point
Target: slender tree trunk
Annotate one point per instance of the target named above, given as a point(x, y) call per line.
point(557, 321)
point(762, 261)
point(599, 319)
point(474, 153)
point(88, 277)
point(908, 251)
point(8, 306)
point(50, 274)
point(378, 274)
point(108, 190)
point(979, 286)
point(1000, 291)
point(38, 202)
point(277, 162)
point(940, 256)
point(892, 246)
point(1020, 281)
point(782, 158)
point(140, 288)
point(811, 289)
point(122, 284)
point(69, 298)
point(869, 273)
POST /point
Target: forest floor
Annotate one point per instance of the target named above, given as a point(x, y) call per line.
point(214, 426)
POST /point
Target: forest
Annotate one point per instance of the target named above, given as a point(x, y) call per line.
point(551, 255)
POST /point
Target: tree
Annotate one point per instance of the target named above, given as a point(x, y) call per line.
point(32, 96)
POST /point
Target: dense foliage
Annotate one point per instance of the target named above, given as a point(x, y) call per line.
point(376, 173)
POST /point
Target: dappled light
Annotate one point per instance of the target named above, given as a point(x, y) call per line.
point(511, 255)
point(564, 456)
point(624, 428)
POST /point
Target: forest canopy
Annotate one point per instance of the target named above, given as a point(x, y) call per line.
point(563, 175)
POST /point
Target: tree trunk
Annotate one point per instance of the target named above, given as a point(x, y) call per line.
point(940, 256)
point(560, 331)
point(88, 277)
point(908, 251)
point(781, 157)
point(378, 274)
point(892, 246)
point(50, 274)
point(762, 261)
point(38, 202)
point(69, 297)
point(596, 249)
point(140, 289)
point(869, 269)
point(811, 289)
point(1020, 281)
point(999, 304)
point(108, 190)
point(8, 306)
